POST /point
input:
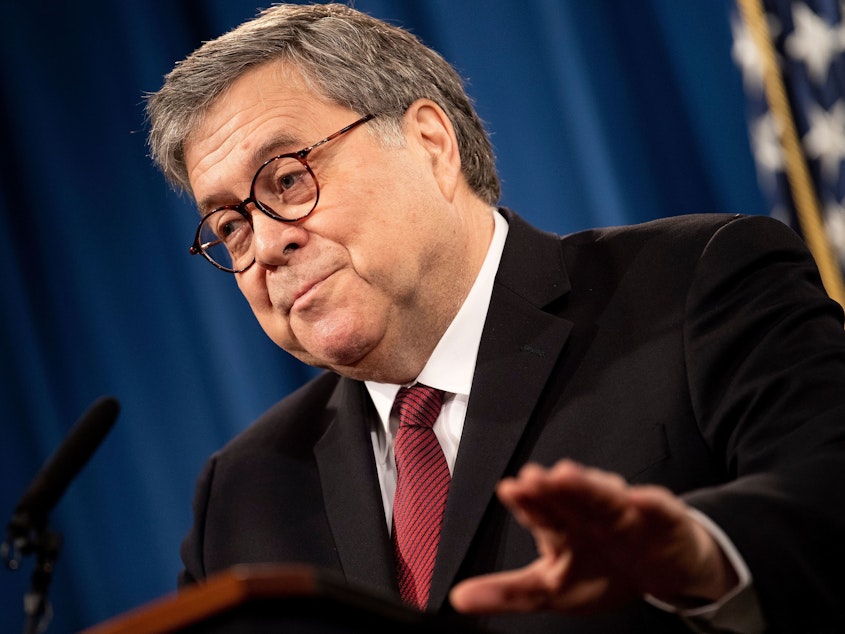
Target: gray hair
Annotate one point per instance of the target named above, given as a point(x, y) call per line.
point(345, 56)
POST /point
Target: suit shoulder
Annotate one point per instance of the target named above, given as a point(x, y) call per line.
point(665, 243)
point(688, 235)
point(689, 225)
point(283, 422)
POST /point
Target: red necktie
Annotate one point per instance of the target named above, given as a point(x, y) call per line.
point(422, 483)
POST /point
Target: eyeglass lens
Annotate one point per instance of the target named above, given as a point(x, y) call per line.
point(284, 188)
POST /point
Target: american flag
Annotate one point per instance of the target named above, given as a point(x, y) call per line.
point(792, 57)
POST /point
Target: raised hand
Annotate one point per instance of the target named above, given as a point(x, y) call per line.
point(601, 542)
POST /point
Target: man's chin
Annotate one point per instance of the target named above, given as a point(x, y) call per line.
point(345, 346)
point(349, 362)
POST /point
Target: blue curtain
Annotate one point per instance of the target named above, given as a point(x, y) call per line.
point(602, 112)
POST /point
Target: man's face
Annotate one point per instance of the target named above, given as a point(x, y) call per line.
point(367, 283)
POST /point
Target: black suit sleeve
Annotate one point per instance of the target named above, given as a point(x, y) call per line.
point(192, 545)
point(765, 354)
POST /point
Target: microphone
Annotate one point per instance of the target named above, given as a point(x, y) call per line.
point(50, 482)
point(28, 531)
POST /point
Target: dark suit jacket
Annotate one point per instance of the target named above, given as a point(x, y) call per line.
point(699, 353)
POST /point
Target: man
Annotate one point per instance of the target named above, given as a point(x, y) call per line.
point(641, 428)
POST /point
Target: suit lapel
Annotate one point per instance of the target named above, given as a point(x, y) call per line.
point(350, 487)
point(519, 347)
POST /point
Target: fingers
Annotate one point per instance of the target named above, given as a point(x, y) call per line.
point(565, 496)
point(513, 591)
point(542, 585)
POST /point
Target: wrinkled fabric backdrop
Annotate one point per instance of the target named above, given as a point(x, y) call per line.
point(601, 113)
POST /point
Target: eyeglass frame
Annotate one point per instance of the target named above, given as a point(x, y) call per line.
point(301, 156)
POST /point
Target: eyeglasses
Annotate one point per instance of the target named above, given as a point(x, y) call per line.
point(284, 188)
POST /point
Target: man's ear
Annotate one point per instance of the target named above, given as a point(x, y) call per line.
point(427, 124)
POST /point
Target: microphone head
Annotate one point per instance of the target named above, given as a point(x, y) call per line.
point(27, 530)
point(76, 449)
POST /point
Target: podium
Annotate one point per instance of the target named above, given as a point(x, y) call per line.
point(273, 598)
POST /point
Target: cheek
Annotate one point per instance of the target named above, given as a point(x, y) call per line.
point(389, 271)
point(255, 292)
point(391, 244)
point(401, 259)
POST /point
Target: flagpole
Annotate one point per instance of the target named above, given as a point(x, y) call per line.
point(797, 173)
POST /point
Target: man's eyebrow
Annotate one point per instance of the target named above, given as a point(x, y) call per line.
point(207, 205)
point(274, 146)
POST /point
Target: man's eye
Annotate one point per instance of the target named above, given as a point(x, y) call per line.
point(288, 181)
point(228, 228)
point(291, 180)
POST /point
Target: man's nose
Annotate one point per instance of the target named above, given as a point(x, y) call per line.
point(274, 241)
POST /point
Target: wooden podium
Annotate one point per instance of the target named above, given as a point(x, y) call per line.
point(272, 598)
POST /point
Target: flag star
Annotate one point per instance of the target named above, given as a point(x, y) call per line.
point(747, 56)
point(765, 142)
point(814, 41)
point(825, 140)
point(835, 228)
point(745, 52)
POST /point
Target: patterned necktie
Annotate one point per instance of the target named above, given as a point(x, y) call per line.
point(421, 488)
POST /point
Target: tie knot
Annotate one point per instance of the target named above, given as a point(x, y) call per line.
point(419, 405)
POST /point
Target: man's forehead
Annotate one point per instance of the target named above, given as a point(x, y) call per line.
point(259, 117)
point(272, 98)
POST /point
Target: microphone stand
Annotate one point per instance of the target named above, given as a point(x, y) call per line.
point(25, 537)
